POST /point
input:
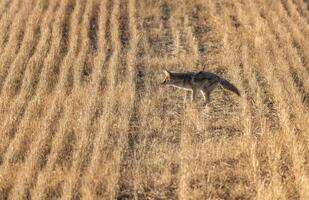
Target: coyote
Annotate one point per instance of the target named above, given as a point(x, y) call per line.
point(202, 81)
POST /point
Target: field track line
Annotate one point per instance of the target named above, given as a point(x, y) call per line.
point(38, 150)
point(13, 83)
point(262, 166)
point(130, 144)
point(14, 40)
point(192, 40)
point(9, 124)
point(125, 100)
point(85, 144)
point(6, 23)
point(298, 47)
point(96, 84)
point(275, 95)
point(65, 126)
point(296, 63)
point(28, 87)
point(105, 124)
point(292, 13)
point(46, 186)
point(32, 34)
point(84, 46)
point(91, 174)
point(290, 88)
point(299, 40)
point(4, 173)
point(89, 110)
point(5, 6)
point(28, 98)
point(284, 117)
point(302, 9)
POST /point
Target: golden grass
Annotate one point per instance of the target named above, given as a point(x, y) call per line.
point(83, 114)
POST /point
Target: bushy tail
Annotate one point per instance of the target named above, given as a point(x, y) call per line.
point(229, 86)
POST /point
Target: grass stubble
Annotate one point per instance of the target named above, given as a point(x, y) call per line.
point(83, 114)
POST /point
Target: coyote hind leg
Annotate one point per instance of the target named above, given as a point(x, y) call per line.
point(206, 96)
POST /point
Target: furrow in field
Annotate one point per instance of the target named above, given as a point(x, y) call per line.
point(165, 42)
point(296, 59)
point(52, 71)
point(99, 86)
point(297, 14)
point(207, 36)
point(14, 40)
point(93, 27)
point(85, 144)
point(192, 43)
point(278, 178)
point(147, 21)
point(40, 148)
point(122, 104)
point(256, 126)
point(288, 65)
point(298, 40)
point(8, 128)
point(31, 82)
point(295, 116)
point(157, 143)
point(99, 142)
point(82, 63)
point(60, 156)
point(301, 9)
point(5, 6)
point(129, 186)
point(124, 188)
point(85, 128)
point(157, 26)
point(13, 83)
point(6, 23)
point(296, 19)
point(126, 144)
point(18, 146)
point(293, 173)
point(266, 172)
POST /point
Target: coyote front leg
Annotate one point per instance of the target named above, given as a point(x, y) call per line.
point(193, 97)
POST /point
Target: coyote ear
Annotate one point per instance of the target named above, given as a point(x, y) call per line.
point(167, 73)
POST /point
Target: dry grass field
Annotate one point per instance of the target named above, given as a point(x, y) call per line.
point(83, 114)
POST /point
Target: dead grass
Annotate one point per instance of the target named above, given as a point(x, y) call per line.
point(83, 116)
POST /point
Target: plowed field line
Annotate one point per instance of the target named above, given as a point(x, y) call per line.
point(7, 21)
point(14, 41)
point(41, 146)
point(61, 142)
point(10, 123)
point(285, 123)
point(71, 186)
point(5, 6)
point(263, 169)
point(28, 87)
point(64, 89)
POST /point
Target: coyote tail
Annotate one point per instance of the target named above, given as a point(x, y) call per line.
point(229, 86)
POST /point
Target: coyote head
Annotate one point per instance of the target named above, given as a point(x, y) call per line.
point(169, 79)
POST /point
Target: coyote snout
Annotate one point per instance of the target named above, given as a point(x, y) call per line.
point(202, 81)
